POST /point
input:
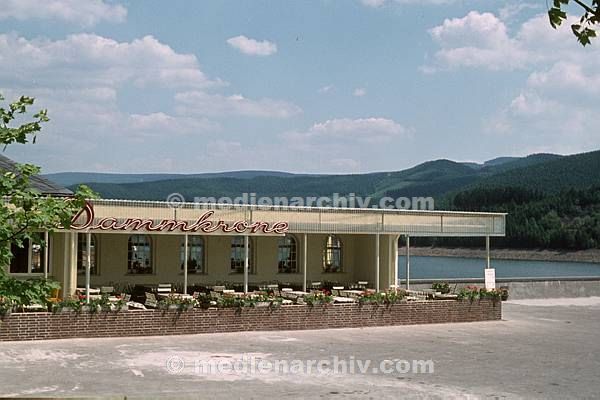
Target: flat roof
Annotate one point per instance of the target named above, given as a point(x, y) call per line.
point(325, 220)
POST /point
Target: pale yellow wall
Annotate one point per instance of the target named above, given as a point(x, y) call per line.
point(358, 260)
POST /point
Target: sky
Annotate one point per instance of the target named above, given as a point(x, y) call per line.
point(321, 86)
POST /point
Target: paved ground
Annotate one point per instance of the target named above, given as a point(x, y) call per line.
point(543, 349)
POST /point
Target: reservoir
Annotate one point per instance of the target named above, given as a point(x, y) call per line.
point(424, 267)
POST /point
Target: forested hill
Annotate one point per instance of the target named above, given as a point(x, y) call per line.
point(432, 178)
point(552, 201)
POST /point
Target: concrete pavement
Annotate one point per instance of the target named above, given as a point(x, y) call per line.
point(542, 349)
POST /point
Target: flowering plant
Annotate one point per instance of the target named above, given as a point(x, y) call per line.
point(318, 298)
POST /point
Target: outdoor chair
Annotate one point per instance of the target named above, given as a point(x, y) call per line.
point(335, 290)
point(316, 285)
point(339, 299)
point(151, 301)
point(360, 285)
point(219, 288)
point(107, 290)
point(164, 288)
point(215, 295)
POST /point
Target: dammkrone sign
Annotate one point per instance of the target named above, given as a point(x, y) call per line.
point(85, 220)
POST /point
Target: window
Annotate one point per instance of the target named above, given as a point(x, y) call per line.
point(28, 259)
point(286, 255)
point(332, 254)
point(237, 255)
point(195, 255)
point(139, 255)
point(82, 254)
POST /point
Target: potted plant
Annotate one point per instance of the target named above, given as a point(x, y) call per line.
point(188, 304)
point(441, 287)
point(262, 301)
point(503, 293)
point(121, 305)
point(5, 306)
point(68, 305)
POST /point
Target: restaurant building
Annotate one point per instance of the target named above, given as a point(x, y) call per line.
point(144, 242)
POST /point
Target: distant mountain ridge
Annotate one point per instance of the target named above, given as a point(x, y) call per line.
point(73, 178)
point(437, 178)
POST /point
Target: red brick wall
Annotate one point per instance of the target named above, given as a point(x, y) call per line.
point(36, 326)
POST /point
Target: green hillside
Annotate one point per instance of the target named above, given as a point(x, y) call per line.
point(552, 201)
point(578, 171)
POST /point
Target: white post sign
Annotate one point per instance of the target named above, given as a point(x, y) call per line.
point(490, 278)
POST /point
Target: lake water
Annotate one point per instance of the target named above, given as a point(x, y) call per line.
point(458, 267)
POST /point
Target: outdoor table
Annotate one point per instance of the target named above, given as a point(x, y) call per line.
point(298, 293)
point(353, 292)
point(92, 290)
point(177, 295)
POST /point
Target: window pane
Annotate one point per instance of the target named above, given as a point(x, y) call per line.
point(286, 255)
point(332, 255)
point(37, 259)
point(82, 254)
point(195, 255)
point(139, 259)
point(18, 264)
point(238, 254)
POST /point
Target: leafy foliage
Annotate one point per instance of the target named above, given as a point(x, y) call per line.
point(18, 293)
point(569, 219)
point(24, 210)
point(584, 30)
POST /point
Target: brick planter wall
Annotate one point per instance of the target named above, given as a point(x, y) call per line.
point(38, 326)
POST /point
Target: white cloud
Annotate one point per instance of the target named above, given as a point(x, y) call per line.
point(551, 111)
point(163, 124)
point(365, 130)
point(92, 60)
point(95, 90)
point(359, 92)
point(511, 10)
point(482, 40)
point(379, 3)
point(217, 105)
point(477, 40)
point(81, 12)
point(252, 47)
point(373, 3)
point(325, 89)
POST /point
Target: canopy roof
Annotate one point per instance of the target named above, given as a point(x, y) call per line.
point(164, 218)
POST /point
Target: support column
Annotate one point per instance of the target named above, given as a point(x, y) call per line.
point(407, 262)
point(88, 265)
point(395, 263)
point(185, 264)
point(305, 262)
point(377, 288)
point(46, 266)
point(69, 278)
point(246, 262)
point(487, 252)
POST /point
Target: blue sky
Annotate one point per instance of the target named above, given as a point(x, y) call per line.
point(339, 86)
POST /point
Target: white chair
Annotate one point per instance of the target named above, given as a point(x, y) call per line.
point(151, 301)
point(164, 288)
point(107, 290)
point(219, 288)
point(335, 290)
